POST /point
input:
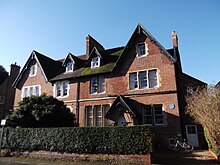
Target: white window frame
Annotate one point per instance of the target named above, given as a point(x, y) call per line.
point(142, 49)
point(87, 117)
point(147, 79)
point(133, 80)
point(61, 83)
point(28, 90)
point(100, 82)
point(69, 66)
point(95, 62)
point(97, 117)
point(102, 120)
point(153, 115)
point(33, 70)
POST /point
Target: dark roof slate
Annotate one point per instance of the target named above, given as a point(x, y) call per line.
point(49, 67)
point(110, 57)
point(127, 104)
point(3, 76)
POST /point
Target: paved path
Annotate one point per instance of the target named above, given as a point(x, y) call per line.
point(173, 158)
point(195, 157)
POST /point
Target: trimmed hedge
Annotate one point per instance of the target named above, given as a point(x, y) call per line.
point(93, 140)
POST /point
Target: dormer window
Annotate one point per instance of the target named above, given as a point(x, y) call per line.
point(69, 67)
point(95, 63)
point(33, 71)
point(142, 49)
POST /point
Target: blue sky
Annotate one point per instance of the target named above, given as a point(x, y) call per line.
point(57, 27)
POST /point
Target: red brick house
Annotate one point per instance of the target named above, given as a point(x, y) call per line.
point(139, 83)
point(7, 92)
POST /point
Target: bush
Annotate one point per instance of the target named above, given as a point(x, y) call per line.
point(94, 140)
point(41, 111)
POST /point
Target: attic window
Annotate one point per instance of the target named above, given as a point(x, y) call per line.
point(142, 49)
point(95, 63)
point(33, 71)
point(69, 67)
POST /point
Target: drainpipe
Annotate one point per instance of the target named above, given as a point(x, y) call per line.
point(77, 101)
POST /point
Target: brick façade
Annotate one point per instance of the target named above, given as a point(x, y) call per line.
point(170, 90)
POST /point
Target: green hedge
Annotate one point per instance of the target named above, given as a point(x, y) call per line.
point(94, 140)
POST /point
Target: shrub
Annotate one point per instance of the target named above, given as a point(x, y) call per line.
point(41, 111)
point(94, 140)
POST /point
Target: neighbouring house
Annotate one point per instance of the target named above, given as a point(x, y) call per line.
point(139, 83)
point(7, 92)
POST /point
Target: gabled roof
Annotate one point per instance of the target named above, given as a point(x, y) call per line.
point(49, 67)
point(122, 105)
point(141, 30)
point(111, 59)
point(95, 52)
point(111, 56)
point(78, 62)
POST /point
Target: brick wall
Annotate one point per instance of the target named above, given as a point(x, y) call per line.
point(39, 79)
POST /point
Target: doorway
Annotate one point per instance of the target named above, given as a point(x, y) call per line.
point(192, 135)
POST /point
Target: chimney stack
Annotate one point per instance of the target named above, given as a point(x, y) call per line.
point(174, 39)
point(90, 44)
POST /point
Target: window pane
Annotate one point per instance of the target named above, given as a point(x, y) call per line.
point(69, 66)
point(89, 116)
point(101, 84)
point(94, 85)
point(191, 129)
point(37, 90)
point(105, 109)
point(65, 88)
point(158, 114)
point(33, 70)
point(152, 74)
point(133, 81)
point(25, 92)
point(58, 89)
point(98, 115)
point(147, 115)
point(31, 91)
point(95, 62)
point(143, 79)
point(141, 49)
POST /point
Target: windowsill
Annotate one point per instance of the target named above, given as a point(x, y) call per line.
point(97, 93)
point(94, 67)
point(62, 97)
point(139, 56)
point(67, 72)
point(139, 89)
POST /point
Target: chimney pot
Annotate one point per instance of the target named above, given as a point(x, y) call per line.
point(174, 39)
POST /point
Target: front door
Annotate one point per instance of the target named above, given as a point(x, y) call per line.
point(192, 135)
point(121, 121)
